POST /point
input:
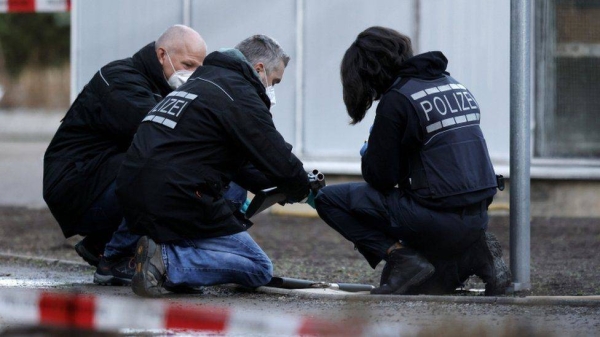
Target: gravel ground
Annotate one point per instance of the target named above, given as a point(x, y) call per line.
point(563, 262)
point(564, 258)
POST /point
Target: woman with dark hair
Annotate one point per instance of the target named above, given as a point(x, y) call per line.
point(429, 178)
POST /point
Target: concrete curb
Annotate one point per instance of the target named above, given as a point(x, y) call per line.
point(574, 301)
point(28, 258)
point(304, 210)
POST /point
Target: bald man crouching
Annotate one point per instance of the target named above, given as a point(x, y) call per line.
point(82, 160)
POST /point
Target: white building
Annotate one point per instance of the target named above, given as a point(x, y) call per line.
point(473, 34)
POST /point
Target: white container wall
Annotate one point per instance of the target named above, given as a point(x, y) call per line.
point(310, 112)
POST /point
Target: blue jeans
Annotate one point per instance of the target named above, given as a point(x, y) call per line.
point(232, 258)
point(123, 242)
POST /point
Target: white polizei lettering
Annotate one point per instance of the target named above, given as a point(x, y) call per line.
point(181, 108)
point(426, 110)
point(470, 100)
point(418, 95)
point(446, 87)
point(454, 86)
point(461, 104)
point(432, 90)
point(180, 94)
point(434, 127)
point(161, 105)
point(147, 118)
point(167, 105)
point(478, 116)
point(435, 102)
point(450, 105)
point(461, 86)
point(448, 122)
point(471, 117)
point(169, 123)
point(460, 119)
point(156, 107)
point(176, 107)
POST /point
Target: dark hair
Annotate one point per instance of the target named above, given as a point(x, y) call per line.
point(261, 48)
point(370, 66)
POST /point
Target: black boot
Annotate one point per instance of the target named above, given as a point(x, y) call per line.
point(115, 272)
point(444, 280)
point(484, 260)
point(406, 269)
point(92, 246)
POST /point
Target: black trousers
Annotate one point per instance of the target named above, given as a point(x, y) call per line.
point(374, 222)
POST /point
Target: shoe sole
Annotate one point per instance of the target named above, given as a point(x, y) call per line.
point(502, 273)
point(109, 280)
point(141, 283)
point(86, 255)
point(417, 280)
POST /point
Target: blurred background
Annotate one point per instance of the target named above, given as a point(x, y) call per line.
point(49, 49)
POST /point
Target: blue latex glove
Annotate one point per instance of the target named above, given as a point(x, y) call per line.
point(363, 149)
point(244, 206)
point(311, 199)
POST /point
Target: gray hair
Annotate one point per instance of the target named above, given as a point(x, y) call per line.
point(261, 48)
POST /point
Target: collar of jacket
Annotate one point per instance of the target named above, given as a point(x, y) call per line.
point(427, 66)
point(146, 61)
point(241, 66)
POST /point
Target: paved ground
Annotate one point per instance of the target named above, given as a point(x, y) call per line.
point(21, 167)
point(564, 262)
point(24, 136)
point(412, 317)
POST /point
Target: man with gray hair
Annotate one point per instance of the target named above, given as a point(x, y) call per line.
point(82, 160)
point(214, 129)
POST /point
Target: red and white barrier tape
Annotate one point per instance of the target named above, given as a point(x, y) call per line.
point(28, 6)
point(35, 307)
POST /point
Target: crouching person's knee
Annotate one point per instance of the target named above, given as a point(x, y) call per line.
point(261, 275)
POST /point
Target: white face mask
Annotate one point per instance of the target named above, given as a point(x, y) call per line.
point(270, 90)
point(179, 77)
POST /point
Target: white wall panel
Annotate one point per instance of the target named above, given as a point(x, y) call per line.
point(330, 27)
point(108, 30)
point(475, 37)
point(226, 23)
point(473, 34)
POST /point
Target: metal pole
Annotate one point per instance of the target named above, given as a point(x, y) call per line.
point(74, 53)
point(187, 13)
point(520, 152)
point(299, 108)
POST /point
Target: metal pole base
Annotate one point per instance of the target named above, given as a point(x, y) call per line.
point(517, 287)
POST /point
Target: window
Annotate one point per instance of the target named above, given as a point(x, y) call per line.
point(567, 55)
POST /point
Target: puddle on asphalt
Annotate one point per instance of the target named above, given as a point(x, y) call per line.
point(36, 283)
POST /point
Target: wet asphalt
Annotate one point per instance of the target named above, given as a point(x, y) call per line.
point(20, 163)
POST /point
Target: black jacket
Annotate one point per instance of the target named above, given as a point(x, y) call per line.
point(85, 154)
point(193, 143)
point(397, 140)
